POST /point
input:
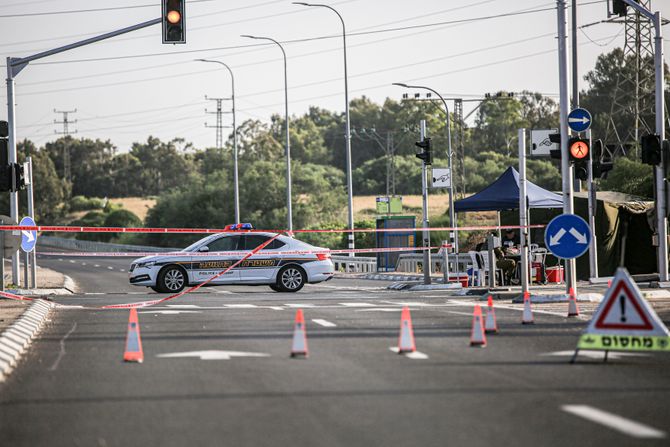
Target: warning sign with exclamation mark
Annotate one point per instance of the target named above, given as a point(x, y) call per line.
point(623, 310)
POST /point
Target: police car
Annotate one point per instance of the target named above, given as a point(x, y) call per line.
point(285, 264)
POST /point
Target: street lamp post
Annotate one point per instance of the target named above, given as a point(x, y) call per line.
point(235, 171)
point(347, 136)
point(452, 214)
point(288, 140)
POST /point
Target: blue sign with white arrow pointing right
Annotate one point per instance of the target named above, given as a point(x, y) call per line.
point(567, 236)
point(579, 120)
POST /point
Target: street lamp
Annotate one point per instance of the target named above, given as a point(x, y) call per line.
point(452, 214)
point(347, 136)
point(288, 141)
point(235, 172)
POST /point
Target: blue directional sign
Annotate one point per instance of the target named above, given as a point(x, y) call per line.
point(579, 120)
point(28, 238)
point(567, 236)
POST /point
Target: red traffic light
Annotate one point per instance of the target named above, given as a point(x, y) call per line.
point(173, 16)
point(579, 149)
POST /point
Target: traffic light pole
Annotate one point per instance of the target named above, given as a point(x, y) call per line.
point(591, 191)
point(14, 67)
point(424, 193)
point(568, 206)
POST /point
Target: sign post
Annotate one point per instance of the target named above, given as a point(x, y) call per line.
point(28, 241)
point(567, 236)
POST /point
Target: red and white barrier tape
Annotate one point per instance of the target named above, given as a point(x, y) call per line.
point(59, 229)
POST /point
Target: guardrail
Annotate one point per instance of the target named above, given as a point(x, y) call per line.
point(354, 264)
point(74, 244)
point(413, 263)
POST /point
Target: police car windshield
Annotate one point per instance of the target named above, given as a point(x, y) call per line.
point(197, 244)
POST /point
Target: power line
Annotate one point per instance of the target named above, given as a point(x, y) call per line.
point(77, 11)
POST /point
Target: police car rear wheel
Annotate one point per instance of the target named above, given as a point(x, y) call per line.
point(276, 288)
point(171, 279)
point(291, 278)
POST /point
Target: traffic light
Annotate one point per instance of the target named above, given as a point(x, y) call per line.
point(650, 146)
point(425, 154)
point(619, 7)
point(18, 177)
point(5, 167)
point(578, 150)
point(556, 139)
point(174, 30)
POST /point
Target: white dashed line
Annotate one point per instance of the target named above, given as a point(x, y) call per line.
point(615, 422)
point(356, 304)
point(110, 268)
point(122, 270)
point(324, 323)
point(83, 263)
point(71, 261)
point(381, 309)
point(96, 265)
point(240, 306)
point(299, 305)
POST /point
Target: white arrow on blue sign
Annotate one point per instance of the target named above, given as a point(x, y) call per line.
point(567, 236)
point(28, 238)
point(579, 120)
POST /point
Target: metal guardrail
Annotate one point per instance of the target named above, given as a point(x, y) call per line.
point(413, 263)
point(354, 264)
point(74, 244)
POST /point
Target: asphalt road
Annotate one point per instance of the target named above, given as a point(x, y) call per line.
point(74, 389)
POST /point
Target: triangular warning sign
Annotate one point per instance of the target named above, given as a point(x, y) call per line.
point(625, 321)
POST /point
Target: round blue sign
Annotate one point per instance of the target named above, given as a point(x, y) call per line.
point(28, 238)
point(579, 120)
point(567, 236)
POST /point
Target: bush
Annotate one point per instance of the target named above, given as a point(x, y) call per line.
point(81, 203)
point(122, 218)
point(92, 219)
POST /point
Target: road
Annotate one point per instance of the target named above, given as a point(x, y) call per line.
point(74, 389)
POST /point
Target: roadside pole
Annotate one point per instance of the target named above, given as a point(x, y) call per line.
point(424, 193)
point(31, 213)
point(566, 172)
point(591, 191)
point(523, 211)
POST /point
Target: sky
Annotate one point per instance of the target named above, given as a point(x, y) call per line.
point(132, 86)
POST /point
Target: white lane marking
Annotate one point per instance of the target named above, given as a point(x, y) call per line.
point(169, 312)
point(240, 306)
point(299, 305)
point(56, 362)
point(407, 303)
point(83, 263)
point(381, 309)
point(60, 259)
point(275, 307)
point(416, 355)
point(596, 354)
point(183, 306)
point(225, 292)
point(110, 268)
point(324, 323)
point(71, 261)
point(96, 265)
point(122, 270)
point(467, 314)
point(518, 309)
point(213, 355)
point(615, 422)
point(356, 304)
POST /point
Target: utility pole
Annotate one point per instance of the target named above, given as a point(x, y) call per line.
point(219, 120)
point(424, 194)
point(67, 171)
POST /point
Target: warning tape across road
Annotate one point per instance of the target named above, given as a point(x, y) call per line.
point(72, 229)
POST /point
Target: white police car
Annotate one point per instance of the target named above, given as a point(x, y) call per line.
point(285, 264)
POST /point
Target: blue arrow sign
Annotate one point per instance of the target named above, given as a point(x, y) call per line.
point(567, 236)
point(579, 120)
point(28, 238)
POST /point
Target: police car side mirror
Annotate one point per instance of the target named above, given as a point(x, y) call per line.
point(204, 248)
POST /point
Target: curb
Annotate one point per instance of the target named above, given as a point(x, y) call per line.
point(16, 338)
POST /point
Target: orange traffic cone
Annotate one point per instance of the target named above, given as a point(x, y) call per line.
point(573, 309)
point(406, 339)
point(527, 311)
point(609, 283)
point(134, 351)
point(491, 324)
point(299, 346)
point(477, 336)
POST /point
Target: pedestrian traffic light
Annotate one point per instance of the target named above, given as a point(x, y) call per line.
point(619, 7)
point(650, 146)
point(425, 153)
point(556, 139)
point(18, 177)
point(173, 17)
point(578, 149)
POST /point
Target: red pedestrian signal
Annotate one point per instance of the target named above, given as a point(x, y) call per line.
point(173, 27)
point(578, 149)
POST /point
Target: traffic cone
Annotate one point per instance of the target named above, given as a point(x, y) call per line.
point(477, 336)
point(491, 324)
point(299, 346)
point(609, 283)
point(573, 309)
point(134, 351)
point(527, 311)
point(406, 339)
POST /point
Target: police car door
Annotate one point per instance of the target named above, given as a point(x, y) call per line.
point(216, 258)
point(260, 267)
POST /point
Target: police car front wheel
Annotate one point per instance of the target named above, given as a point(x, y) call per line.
point(171, 279)
point(291, 278)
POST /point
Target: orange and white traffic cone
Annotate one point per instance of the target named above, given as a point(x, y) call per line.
point(406, 339)
point(299, 346)
point(477, 336)
point(133, 351)
point(527, 310)
point(491, 324)
point(573, 309)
